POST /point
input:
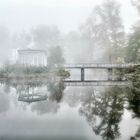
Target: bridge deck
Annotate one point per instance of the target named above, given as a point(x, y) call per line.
point(99, 65)
point(97, 83)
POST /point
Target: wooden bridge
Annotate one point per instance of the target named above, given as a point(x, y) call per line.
point(99, 65)
point(108, 67)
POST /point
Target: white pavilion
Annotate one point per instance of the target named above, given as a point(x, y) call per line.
point(32, 57)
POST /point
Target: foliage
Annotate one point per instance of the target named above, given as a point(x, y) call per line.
point(104, 112)
point(133, 48)
point(20, 69)
point(104, 27)
point(133, 93)
point(56, 90)
point(45, 36)
point(55, 57)
point(133, 56)
point(136, 3)
point(57, 87)
point(63, 73)
point(120, 74)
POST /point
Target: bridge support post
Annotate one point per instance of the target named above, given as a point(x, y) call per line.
point(110, 74)
point(82, 74)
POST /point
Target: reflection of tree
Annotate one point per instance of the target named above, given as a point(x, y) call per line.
point(7, 87)
point(138, 133)
point(37, 87)
point(56, 90)
point(21, 84)
point(134, 91)
point(45, 107)
point(75, 96)
point(4, 102)
point(134, 105)
point(25, 86)
point(103, 112)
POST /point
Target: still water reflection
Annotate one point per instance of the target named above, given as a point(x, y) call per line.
point(50, 111)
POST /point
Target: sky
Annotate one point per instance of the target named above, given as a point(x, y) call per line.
point(68, 15)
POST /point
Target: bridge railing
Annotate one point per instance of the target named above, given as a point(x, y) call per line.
point(100, 65)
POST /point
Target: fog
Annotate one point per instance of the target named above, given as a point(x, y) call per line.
point(38, 41)
point(66, 14)
point(47, 23)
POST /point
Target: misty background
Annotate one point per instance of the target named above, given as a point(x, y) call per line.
point(79, 27)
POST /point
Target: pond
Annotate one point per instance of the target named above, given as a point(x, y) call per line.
point(51, 111)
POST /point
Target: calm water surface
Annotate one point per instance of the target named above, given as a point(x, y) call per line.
point(68, 113)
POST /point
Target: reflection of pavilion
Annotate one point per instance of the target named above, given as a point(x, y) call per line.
point(31, 97)
point(30, 94)
point(32, 57)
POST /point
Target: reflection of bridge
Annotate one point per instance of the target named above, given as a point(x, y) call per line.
point(29, 98)
point(97, 83)
point(108, 67)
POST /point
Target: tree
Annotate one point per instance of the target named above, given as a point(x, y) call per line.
point(55, 57)
point(104, 27)
point(134, 91)
point(133, 47)
point(21, 40)
point(5, 44)
point(45, 36)
point(77, 48)
point(133, 56)
point(136, 3)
